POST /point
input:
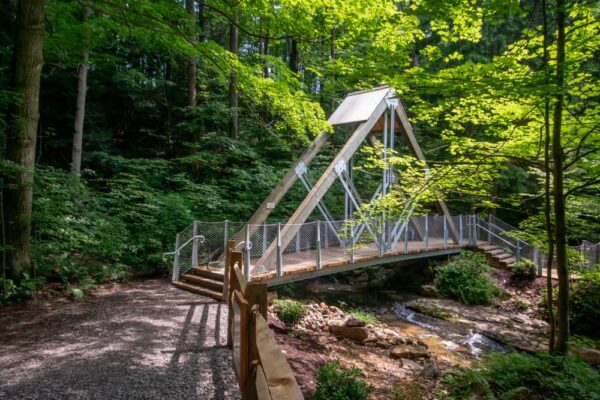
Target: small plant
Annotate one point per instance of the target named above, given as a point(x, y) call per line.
point(524, 269)
point(466, 279)
point(585, 303)
point(409, 391)
point(366, 317)
point(336, 383)
point(523, 304)
point(524, 376)
point(290, 312)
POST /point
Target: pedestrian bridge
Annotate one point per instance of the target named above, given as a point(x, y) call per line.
point(315, 241)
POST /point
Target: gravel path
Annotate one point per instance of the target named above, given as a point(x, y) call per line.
point(145, 340)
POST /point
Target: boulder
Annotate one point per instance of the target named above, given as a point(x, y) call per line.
point(592, 356)
point(410, 365)
point(354, 322)
point(338, 327)
point(430, 291)
point(430, 371)
point(409, 352)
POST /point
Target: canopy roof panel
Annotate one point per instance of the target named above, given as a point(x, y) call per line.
point(358, 106)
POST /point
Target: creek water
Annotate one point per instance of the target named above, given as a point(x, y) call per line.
point(390, 307)
point(452, 335)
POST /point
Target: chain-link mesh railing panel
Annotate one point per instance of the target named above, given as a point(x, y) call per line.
point(301, 251)
point(367, 244)
point(184, 251)
point(333, 242)
point(589, 254)
point(436, 228)
point(262, 237)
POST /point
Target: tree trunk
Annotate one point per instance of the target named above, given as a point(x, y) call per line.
point(294, 56)
point(547, 173)
point(233, 93)
point(82, 73)
point(190, 6)
point(559, 198)
point(22, 133)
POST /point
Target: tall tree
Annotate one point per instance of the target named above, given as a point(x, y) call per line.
point(21, 138)
point(559, 197)
point(190, 6)
point(82, 72)
point(233, 89)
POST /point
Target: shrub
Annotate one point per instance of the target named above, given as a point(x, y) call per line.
point(466, 279)
point(524, 269)
point(289, 311)
point(336, 383)
point(364, 316)
point(585, 303)
point(524, 376)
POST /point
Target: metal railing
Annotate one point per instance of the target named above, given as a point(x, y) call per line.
point(320, 243)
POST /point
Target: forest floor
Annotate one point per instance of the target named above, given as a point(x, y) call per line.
point(138, 340)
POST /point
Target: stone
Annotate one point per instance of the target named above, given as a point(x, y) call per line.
point(409, 352)
point(430, 291)
point(339, 328)
point(353, 322)
point(430, 371)
point(383, 344)
point(410, 365)
point(323, 306)
point(592, 356)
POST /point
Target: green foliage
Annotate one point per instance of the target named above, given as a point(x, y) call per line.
point(11, 291)
point(585, 303)
point(409, 391)
point(466, 279)
point(524, 269)
point(524, 376)
point(365, 316)
point(290, 312)
point(336, 383)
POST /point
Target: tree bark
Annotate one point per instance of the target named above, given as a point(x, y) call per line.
point(22, 133)
point(233, 93)
point(192, 68)
point(294, 56)
point(559, 199)
point(547, 173)
point(82, 73)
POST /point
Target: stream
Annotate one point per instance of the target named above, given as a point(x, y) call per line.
point(390, 307)
point(452, 335)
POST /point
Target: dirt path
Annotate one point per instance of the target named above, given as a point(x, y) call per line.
point(145, 340)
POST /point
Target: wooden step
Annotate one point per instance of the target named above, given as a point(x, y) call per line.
point(488, 247)
point(502, 256)
point(199, 290)
point(202, 281)
point(494, 252)
point(206, 272)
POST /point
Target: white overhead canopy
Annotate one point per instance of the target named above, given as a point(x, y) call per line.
point(358, 106)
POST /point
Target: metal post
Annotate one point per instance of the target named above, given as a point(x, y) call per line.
point(298, 239)
point(406, 237)
point(247, 247)
point(225, 234)
point(195, 245)
point(489, 228)
point(279, 255)
point(264, 238)
point(518, 250)
point(460, 231)
point(445, 232)
point(426, 232)
point(318, 245)
point(326, 236)
point(537, 260)
point(351, 245)
point(175, 276)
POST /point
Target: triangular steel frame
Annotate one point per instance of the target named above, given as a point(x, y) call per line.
point(317, 191)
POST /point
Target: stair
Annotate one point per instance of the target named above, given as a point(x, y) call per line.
point(203, 280)
point(498, 257)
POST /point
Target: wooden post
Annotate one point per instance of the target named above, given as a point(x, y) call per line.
point(256, 294)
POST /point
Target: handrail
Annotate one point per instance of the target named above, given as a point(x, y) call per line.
point(505, 230)
point(499, 237)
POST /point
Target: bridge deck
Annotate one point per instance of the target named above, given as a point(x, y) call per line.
point(302, 265)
